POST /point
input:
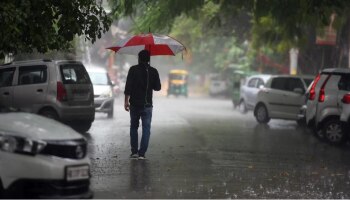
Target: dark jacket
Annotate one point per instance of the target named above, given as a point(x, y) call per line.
point(136, 84)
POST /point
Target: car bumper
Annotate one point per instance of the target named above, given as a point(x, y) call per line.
point(302, 113)
point(77, 113)
point(15, 167)
point(47, 189)
point(104, 104)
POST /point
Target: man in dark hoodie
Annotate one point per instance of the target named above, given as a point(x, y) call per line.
point(142, 79)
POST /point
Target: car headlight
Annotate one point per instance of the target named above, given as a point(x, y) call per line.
point(107, 94)
point(20, 145)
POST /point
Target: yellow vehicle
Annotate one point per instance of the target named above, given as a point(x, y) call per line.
point(178, 82)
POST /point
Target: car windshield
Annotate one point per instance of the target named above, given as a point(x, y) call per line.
point(74, 74)
point(99, 78)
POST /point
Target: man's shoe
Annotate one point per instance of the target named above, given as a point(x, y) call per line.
point(134, 156)
point(142, 157)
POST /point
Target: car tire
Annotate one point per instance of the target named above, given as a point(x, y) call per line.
point(333, 132)
point(49, 113)
point(242, 107)
point(261, 114)
point(81, 126)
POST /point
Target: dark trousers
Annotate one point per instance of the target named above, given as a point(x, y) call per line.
point(145, 113)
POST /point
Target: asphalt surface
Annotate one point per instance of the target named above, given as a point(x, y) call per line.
point(202, 148)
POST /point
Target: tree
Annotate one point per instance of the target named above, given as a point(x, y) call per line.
point(48, 24)
point(277, 25)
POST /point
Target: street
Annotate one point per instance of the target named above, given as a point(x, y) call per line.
point(201, 147)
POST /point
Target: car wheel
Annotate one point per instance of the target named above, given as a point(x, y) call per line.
point(49, 113)
point(333, 131)
point(261, 114)
point(242, 107)
point(82, 126)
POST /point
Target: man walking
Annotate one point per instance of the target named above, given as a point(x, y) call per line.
point(142, 79)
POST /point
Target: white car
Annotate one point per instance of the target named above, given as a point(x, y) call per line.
point(249, 91)
point(281, 98)
point(42, 158)
point(218, 86)
point(324, 105)
point(345, 114)
point(103, 90)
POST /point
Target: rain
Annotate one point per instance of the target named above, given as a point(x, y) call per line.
point(235, 117)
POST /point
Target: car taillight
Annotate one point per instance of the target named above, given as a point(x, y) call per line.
point(312, 90)
point(61, 92)
point(346, 99)
point(322, 94)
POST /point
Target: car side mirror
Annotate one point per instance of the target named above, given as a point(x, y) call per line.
point(298, 90)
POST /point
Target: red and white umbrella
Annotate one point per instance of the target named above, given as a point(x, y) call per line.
point(154, 43)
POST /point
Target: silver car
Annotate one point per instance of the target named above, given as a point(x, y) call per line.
point(103, 90)
point(57, 89)
point(325, 105)
point(281, 98)
point(249, 91)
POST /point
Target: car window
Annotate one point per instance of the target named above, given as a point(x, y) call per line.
point(279, 83)
point(32, 75)
point(294, 83)
point(74, 74)
point(6, 76)
point(252, 82)
point(344, 83)
point(99, 78)
point(260, 83)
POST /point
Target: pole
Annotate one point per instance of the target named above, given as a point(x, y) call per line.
point(293, 56)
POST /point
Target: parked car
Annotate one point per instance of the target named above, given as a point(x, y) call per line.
point(281, 98)
point(345, 114)
point(42, 158)
point(249, 91)
point(103, 90)
point(218, 86)
point(324, 105)
point(60, 90)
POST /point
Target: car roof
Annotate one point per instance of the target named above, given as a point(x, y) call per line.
point(21, 62)
point(294, 76)
point(336, 70)
point(265, 77)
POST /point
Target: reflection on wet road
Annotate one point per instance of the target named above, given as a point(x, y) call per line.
point(202, 148)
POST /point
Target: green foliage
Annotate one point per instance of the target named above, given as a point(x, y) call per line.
point(276, 25)
point(48, 24)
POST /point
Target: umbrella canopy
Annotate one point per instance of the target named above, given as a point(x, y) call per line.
point(154, 43)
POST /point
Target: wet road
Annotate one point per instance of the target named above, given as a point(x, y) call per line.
point(202, 148)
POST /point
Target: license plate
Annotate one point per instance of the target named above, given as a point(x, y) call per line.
point(74, 173)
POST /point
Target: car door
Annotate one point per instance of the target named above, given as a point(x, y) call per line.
point(30, 92)
point(249, 93)
point(275, 97)
point(77, 84)
point(6, 86)
point(260, 83)
point(294, 98)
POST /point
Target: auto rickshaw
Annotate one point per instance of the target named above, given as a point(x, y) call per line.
point(178, 82)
